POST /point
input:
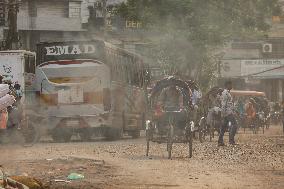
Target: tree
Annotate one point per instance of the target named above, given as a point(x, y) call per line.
point(190, 32)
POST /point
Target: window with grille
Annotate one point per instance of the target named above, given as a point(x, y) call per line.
point(74, 9)
point(32, 8)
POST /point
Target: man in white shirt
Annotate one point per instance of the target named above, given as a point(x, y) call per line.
point(196, 95)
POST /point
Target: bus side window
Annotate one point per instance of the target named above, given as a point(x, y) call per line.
point(125, 69)
point(121, 72)
point(116, 71)
point(26, 64)
point(136, 77)
point(32, 63)
point(29, 64)
point(129, 72)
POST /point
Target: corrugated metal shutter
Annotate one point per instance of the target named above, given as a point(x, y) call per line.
point(52, 8)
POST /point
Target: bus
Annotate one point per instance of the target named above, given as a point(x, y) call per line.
point(91, 88)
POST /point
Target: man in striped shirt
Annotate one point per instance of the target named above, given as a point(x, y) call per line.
point(227, 109)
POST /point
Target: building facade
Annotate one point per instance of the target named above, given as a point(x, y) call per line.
point(50, 20)
point(256, 65)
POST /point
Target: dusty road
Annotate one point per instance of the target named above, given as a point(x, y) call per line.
point(257, 162)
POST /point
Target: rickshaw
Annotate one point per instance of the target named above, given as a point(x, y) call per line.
point(170, 124)
point(261, 119)
point(211, 118)
point(198, 111)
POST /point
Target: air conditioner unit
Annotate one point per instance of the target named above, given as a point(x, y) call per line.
point(267, 48)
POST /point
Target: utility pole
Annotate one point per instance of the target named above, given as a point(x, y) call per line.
point(2, 20)
point(104, 12)
point(12, 39)
point(9, 38)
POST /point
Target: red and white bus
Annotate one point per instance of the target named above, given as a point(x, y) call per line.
point(90, 88)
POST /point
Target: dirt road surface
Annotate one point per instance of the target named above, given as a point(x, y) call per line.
point(257, 163)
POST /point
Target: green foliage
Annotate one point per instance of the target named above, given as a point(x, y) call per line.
point(190, 31)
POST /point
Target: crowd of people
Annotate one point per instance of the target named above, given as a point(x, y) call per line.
point(220, 103)
point(8, 117)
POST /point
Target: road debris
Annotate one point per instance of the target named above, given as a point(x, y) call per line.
point(75, 176)
point(60, 180)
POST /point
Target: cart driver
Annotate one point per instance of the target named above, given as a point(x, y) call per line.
point(171, 101)
point(171, 98)
point(250, 112)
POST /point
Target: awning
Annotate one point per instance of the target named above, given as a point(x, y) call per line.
point(275, 73)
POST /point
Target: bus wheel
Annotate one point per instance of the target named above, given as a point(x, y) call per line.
point(31, 134)
point(134, 134)
point(113, 133)
point(61, 135)
point(86, 135)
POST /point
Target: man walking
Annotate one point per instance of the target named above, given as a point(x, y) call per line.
point(229, 123)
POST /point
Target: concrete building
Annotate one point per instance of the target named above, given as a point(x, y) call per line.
point(50, 20)
point(55, 20)
point(256, 65)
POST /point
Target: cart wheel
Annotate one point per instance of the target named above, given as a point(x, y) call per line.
point(190, 145)
point(148, 138)
point(113, 134)
point(61, 134)
point(211, 132)
point(202, 131)
point(201, 136)
point(169, 148)
point(263, 128)
point(31, 134)
point(170, 141)
point(86, 135)
point(254, 129)
point(148, 147)
point(135, 134)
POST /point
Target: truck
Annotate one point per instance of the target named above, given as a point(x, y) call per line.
point(18, 67)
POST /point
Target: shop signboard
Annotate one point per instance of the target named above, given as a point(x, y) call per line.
point(263, 68)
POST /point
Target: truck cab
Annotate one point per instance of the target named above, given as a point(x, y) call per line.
point(18, 66)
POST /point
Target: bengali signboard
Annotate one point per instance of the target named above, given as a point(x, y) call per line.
point(262, 68)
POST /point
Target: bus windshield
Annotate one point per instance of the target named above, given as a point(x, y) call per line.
point(71, 71)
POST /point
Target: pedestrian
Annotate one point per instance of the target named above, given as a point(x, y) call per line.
point(241, 106)
point(3, 119)
point(18, 91)
point(251, 113)
point(196, 95)
point(227, 112)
